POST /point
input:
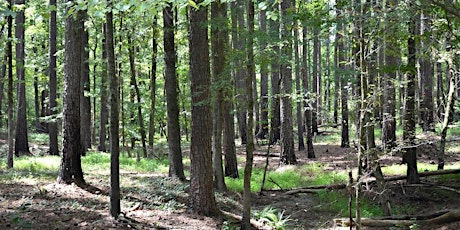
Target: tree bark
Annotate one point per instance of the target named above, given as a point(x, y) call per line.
point(307, 105)
point(240, 80)
point(70, 169)
point(219, 37)
point(104, 113)
point(345, 139)
point(9, 54)
point(410, 155)
point(263, 131)
point(275, 122)
point(287, 139)
point(245, 222)
point(445, 123)
point(114, 120)
point(299, 116)
point(153, 84)
point(202, 200)
point(85, 100)
point(52, 126)
point(21, 144)
point(176, 168)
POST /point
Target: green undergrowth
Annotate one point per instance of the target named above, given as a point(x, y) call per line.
point(287, 177)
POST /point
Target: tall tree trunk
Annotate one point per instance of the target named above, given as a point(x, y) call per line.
point(52, 126)
point(306, 104)
point(410, 155)
point(104, 113)
point(300, 121)
point(219, 37)
point(9, 54)
point(287, 139)
point(21, 144)
point(263, 131)
point(202, 199)
point(153, 84)
point(245, 222)
point(275, 122)
point(85, 100)
point(70, 169)
point(114, 120)
point(426, 75)
point(176, 168)
point(389, 91)
point(240, 79)
point(445, 123)
point(316, 78)
point(345, 139)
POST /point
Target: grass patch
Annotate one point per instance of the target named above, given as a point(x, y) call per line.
point(287, 177)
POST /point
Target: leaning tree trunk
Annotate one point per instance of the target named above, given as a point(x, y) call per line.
point(176, 168)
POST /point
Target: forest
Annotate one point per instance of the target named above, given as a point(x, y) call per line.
point(229, 114)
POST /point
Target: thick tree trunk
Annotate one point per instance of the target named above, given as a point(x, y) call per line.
point(52, 126)
point(114, 121)
point(202, 199)
point(176, 168)
point(70, 169)
point(21, 144)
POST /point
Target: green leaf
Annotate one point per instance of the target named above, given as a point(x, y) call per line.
point(193, 4)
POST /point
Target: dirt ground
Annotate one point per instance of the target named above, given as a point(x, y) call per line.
point(154, 201)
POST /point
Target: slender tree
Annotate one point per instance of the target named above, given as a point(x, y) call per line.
point(240, 80)
point(9, 54)
point(287, 139)
point(219, 37)
point(345, 139)
point(307, 105)
point(263, 131)
point(202, 199)
point(245, 222)
point(114, 119)
point(52, 126)
point(104, 112)
point(153, 84)
point(21, 144)
point(85, 100)
point(299, 116)
point(176, 168)
point(410, 155)
point(275, 79)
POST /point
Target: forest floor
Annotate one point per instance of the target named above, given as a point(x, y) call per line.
point(154, 201)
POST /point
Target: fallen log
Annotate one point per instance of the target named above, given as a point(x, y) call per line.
point(310, 189)
point(437, 218)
